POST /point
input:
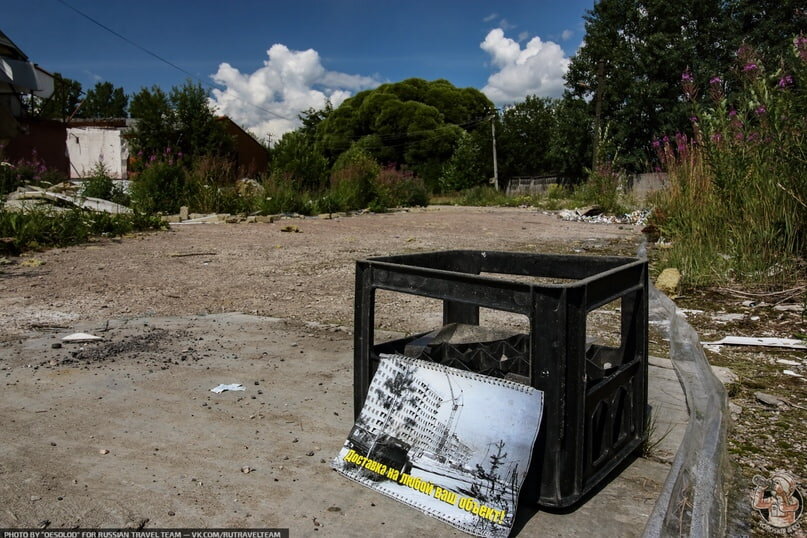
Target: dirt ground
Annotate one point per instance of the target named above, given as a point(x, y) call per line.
point(125, 432)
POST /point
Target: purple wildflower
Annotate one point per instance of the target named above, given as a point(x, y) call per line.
point(761, 110)
point(693, 119)
point(750, 67)
point(656, 143)
point(732, 113)
point(715, 80)
point(717, 137)
point(686, 76)
point(785, 81)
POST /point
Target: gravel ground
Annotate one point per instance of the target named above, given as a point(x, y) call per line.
point(126, 433)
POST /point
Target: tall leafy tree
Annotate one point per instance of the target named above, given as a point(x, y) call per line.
point(154, 130)
point(181, 121)
point(104, 101)
point(198, 132)
point(524, 138)
point(296, 157)
point(768, 25)
point(630, 67)
point(413, 123)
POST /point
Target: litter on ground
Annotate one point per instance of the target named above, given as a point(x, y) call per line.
point(223, 387)
point(80, 337)
point(790, 343)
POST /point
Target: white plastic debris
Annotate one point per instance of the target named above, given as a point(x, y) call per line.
point(224, 387)
point(728, 317)
point(788, 362)
point(791, 372)
point(81, 337)
point(790, 343)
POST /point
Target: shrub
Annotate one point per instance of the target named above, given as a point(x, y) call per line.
point(483, 196)
point(605, 188)
point(38, 228)
point(282, 196)
point(396, 188)
point(26, 172)
point(162, 186)
point(101, 185)
point(352, 181)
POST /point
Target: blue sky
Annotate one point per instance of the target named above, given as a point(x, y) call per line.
point(319, 49)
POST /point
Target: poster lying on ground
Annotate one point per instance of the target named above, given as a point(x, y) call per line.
point(454, 444)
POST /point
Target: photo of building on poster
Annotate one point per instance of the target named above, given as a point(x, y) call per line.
point(454, 444)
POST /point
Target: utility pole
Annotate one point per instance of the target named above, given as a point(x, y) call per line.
point(495, 162)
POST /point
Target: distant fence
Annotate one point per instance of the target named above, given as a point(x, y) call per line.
point(530, 184)
point(639, 185)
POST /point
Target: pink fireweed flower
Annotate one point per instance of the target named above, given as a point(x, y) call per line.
point(800, 43)
point(785, 81)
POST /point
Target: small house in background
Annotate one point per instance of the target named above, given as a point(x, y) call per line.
point(251, 157)
point(23, 137)
point(98, 141)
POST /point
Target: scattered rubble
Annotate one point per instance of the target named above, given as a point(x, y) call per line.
point(594, 214)
point(58, 195)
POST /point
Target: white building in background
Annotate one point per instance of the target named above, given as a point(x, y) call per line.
point(87, 146)
point(416, 423)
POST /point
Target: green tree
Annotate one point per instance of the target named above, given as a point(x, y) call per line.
point(570, 145)
point(154, 130)
point(464, 169)
point(768, 25)
point(63, 102)
point(523, 138)
point(296, 156)
point(631, 64)
point(197, 131)
point(413, 124)
point(181, 122)
point(104, 101)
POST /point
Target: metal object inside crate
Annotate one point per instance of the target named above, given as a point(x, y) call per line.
point(595, 395)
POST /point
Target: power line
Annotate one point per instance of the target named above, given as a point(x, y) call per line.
point(160, 58)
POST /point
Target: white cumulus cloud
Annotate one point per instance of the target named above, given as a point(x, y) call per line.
point(268, 100)
point(536, 69)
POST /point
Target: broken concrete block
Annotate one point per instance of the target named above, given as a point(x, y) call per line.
point(669, 280)
point(183, 213)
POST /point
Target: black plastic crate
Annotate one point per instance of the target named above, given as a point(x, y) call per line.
point(595, 396)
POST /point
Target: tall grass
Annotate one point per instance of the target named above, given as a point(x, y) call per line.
point(736, 203)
